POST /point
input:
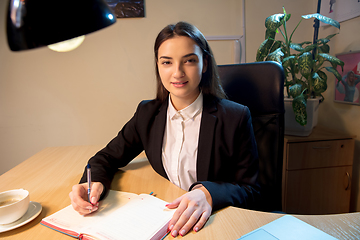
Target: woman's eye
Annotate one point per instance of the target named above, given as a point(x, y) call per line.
point(165, 62)
point(191, 60)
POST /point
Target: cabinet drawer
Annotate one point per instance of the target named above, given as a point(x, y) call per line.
point(318, 191)
point(319, 154)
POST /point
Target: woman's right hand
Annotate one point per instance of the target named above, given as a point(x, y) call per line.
point(79, 197)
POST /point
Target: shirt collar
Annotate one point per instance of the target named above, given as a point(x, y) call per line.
point(190, 111)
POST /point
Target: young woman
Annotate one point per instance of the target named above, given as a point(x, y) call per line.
point(191, 135)
point(349, 81)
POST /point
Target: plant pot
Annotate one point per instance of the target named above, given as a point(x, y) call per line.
point(294, 128)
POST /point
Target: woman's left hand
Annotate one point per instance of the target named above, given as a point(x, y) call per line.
point(194, 209)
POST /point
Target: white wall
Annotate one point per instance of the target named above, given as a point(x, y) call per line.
point(85, 96)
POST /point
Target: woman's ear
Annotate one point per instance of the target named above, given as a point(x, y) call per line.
point(205, 64)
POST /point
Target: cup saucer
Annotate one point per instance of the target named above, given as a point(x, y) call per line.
point(33, 211)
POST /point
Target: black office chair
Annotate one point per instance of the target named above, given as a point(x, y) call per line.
point(260, 86)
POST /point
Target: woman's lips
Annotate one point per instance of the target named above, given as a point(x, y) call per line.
point(179, 84)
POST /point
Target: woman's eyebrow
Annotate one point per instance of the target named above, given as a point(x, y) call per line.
point(185, 56)
point(189, 55)
point(165, 57)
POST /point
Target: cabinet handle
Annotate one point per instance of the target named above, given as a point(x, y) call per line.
point(348, 180)
point(325, 147)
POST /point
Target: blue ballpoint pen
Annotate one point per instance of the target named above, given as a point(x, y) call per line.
point(89, 181)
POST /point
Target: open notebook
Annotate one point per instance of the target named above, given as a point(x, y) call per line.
point(120, 215)
point(287, 228)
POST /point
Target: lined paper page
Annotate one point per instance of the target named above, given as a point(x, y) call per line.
point(139, 219)
point(69, 219)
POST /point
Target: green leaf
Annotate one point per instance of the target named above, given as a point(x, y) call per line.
point(270, 34)
point(323, 19)
point(306, 42)
point(295, 90)
point(323, 40)
point(296, 47)
point(333, 64)
point(324, 49)
point(288, 16)
point(335, 72)
point(274, 21)
point(305, 63)
point(275, 56)
point(318, 63)
point(331, 36)
point(310, 47)
point(332, 59)
point(322, 75)
point(263, 50)
point(275, 46)
point(287, 61)
point(319, 84)
point(299, 107)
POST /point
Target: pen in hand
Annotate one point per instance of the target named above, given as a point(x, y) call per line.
point(89, 181)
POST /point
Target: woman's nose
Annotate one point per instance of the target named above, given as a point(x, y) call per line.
point(178, 71)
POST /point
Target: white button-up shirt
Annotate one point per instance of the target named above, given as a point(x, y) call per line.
point(180, 143)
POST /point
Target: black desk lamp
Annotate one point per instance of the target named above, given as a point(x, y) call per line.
point(37, 23)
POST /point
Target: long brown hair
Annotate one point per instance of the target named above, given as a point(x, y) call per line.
point(210, 83)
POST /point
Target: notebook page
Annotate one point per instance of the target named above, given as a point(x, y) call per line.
point(139, 219)
point(69, 219)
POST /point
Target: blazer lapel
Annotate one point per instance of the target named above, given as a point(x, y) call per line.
point(157, 139)
point(206, 138)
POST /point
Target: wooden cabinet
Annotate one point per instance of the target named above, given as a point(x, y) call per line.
point(317, 172)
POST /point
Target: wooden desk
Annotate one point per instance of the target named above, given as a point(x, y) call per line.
point(50, 174)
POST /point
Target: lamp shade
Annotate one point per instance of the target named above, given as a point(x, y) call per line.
point(37, 23)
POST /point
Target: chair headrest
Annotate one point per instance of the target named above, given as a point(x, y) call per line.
point(259, 86)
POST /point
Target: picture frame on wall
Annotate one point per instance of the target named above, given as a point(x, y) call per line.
point(127, 8)
point(348, 89)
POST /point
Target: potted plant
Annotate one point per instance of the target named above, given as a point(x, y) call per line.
point(303, 63)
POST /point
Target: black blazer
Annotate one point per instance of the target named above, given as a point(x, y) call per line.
point(227, 161)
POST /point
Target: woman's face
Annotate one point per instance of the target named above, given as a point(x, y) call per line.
point(351, 78)
point(180, 64)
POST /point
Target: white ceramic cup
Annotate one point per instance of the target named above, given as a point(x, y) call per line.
point(13, 205)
